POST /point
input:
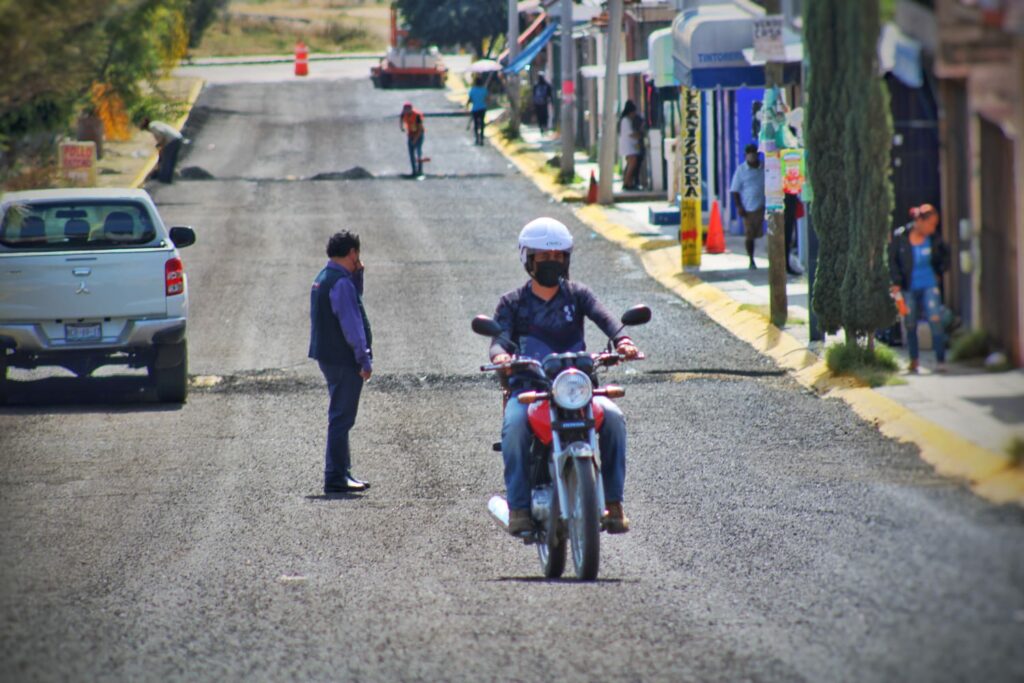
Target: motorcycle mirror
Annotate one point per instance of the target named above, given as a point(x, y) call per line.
point(638, 315)
point(486, 327)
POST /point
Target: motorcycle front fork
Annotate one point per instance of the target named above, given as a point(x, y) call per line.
point(577, 450)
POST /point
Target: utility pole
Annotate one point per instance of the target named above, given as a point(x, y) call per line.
point(568, 130)
point(606, 154)
point(512, 80)
point(778, 303)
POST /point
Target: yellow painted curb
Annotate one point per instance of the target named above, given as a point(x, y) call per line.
point(991, 475)
point(151, 162)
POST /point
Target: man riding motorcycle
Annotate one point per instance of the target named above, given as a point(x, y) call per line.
point(545, 316)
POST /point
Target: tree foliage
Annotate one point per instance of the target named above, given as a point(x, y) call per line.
point(848, 133)
point(867, 305)
point(447, 23)
point(827, 101)
point(56, 52)
point(200, 14)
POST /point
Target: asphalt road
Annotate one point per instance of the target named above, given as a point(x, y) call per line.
point(776, 537)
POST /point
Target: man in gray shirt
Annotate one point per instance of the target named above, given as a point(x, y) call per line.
point(168, 143)
point(747, 190)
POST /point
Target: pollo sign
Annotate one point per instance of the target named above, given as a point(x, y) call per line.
point(78, 163)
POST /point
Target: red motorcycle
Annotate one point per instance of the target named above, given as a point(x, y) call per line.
point(567, 498)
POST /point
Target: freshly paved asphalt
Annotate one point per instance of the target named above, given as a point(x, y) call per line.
point(776, 537)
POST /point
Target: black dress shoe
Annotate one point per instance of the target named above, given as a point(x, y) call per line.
point(349, 485)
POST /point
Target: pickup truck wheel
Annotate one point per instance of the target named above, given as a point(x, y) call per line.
point(169, 372)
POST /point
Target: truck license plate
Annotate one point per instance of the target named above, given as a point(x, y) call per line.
point(83, 333)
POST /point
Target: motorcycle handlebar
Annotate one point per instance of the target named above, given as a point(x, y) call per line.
point(607, 358)
point(614, 358)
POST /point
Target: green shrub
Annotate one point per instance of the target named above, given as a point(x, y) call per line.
point(508, 134)
point(971, 345)
point(873, 367)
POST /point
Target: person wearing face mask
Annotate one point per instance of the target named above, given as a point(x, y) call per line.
point(341, 342)
point(547, 315)
point(747, 190)
point(917, 259)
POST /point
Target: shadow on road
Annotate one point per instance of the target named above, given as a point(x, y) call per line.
point(83, 395)
point(354, 495)
point(540, 579)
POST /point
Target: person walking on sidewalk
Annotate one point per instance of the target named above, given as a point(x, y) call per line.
point(747, 190)
point(478, 105)
point(168, 144)
point(630, 146)
point(917, 259)
point(541, 101)
point(341, 341)
point(411, 122)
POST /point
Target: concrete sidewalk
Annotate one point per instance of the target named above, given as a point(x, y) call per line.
point(964, 421)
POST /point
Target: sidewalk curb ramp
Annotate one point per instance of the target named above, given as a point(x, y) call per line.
point(991, 475)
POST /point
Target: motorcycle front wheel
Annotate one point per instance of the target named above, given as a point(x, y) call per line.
point(551, 544)
point(584, 519)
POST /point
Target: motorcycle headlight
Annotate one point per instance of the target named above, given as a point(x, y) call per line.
point(572, 389)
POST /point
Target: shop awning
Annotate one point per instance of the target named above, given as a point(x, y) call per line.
point(900, 54)
point(708, 47)
point(659, 52)
point(525, 35)
point(531, 51)
point(640, 66)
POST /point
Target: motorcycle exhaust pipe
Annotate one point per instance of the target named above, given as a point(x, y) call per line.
point(498, 507)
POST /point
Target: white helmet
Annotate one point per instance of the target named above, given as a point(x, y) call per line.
point(544, 234)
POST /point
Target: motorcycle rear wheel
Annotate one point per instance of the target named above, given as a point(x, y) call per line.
point(551, 545)
point(584, 519)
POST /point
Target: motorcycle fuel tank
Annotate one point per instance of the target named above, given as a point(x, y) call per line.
point(540, 420)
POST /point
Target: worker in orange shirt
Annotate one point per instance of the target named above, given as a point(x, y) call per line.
point(412, 123)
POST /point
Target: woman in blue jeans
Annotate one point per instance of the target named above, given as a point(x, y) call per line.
point(917, 259)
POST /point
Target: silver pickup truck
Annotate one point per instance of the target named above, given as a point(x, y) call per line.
point(92, 277)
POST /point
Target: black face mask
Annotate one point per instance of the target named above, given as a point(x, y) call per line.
point(547, 273)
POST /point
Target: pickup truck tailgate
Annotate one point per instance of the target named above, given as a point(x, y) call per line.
point(85, 285)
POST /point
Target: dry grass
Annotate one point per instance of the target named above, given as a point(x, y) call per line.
point(250, 27)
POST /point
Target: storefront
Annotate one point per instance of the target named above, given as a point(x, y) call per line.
point(713, 53)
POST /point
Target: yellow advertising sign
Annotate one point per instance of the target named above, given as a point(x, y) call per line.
point(78, 163)
point(690, 226)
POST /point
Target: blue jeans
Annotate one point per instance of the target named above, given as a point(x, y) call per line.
point(928, 302)
point(416, 153)
point(344, 386)
point(516, 439)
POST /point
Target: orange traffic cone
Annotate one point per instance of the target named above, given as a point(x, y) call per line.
point(716, 238)
point(301, 59)
point(592, 190)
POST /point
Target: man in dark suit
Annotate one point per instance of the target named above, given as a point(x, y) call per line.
point(340, 341)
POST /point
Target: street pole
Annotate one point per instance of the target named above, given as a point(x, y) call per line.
point(606, 154)
point(512, 80)
point(568, 131)
point(778, 303)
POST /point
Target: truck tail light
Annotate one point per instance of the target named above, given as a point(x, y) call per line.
point(174, 277)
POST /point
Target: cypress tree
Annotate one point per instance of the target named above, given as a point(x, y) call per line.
point(866, 303)
point(826, 37)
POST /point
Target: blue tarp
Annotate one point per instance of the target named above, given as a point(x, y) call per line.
point(532, 50)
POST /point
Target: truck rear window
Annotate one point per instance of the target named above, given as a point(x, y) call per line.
point(57, 225)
